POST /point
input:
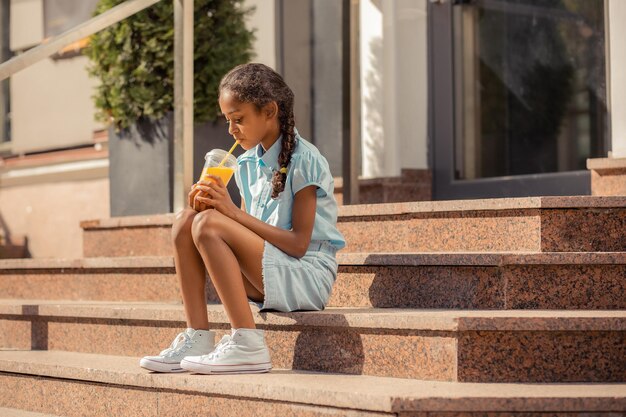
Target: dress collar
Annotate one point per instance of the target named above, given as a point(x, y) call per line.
point(269, 158)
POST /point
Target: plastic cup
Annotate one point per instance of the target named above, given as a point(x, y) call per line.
point(212, 166)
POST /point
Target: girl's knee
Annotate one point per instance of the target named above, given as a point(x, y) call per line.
point(206, 225)
point(181, 227)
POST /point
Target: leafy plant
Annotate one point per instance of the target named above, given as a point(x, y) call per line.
point(134, 60)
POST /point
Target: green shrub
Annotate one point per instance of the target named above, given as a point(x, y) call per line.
point(134, 60)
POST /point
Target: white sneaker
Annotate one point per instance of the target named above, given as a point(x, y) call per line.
point(189, 342)
point(243, 352)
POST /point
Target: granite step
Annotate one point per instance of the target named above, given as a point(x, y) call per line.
point(557, 280)
point(411, 185)
point(115, 385)
point(530, 224)
point(444, 345)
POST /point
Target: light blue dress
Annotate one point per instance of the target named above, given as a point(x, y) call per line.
point(290, 283)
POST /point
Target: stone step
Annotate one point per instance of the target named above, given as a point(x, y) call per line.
point(412, 185)
point(530, 224)
point(464, 346)
point(115, 386)
point(557, 280)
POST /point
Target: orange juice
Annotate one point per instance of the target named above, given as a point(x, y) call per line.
point(223, 172)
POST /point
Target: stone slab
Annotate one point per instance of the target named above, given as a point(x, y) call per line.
point(608, 176)
point(578, 223)
point(584, 230)
point(78, 398)
point(418, 280)
point(606, 163)
point(362, 318)
point(509, 230)
point(412, 185)
point(401, 208)
point(429, 345)
point(345, 258)
point(352, 392)
point(608, 182)
point(565, 356)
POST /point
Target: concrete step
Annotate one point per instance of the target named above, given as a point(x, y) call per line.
point(464, 346)
point(557, 280)
point(106, 385)
point(530, 224)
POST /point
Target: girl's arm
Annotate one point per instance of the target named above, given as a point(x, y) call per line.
point(293, 242)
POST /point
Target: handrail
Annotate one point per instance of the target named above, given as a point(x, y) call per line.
point(55, 44)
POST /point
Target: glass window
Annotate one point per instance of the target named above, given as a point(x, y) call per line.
point(530, 90)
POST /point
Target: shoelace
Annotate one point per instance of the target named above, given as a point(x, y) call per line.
point(221, 346)
point(182, 341)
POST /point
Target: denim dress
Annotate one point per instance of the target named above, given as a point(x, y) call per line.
point(291, 283)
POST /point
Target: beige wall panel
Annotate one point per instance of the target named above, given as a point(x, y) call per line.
point(52, 105)
point(375, 141)
point(297, 60)
point(617, 84)
point(49, 215)
point(263, 20)
point(412, 83)
point(394, 86)
point(26, 24)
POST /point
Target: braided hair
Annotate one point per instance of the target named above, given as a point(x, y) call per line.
point(259, 84)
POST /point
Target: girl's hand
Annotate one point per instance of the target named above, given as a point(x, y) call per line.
point(217, 196)
point(191, 199)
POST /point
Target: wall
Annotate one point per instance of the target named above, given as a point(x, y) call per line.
point(55, 92)
point(411, 90)
point(49, 213)
point(295, 44)
point(263, 21)
point(58, 95)
point(327, 94)
point(393, 86)
point(617, 78)
point(26, 24)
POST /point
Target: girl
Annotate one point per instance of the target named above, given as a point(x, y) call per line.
point(278, 250)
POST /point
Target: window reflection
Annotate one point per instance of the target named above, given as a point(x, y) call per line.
point(530, 93)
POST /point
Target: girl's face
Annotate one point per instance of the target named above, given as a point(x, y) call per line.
point(249, 125)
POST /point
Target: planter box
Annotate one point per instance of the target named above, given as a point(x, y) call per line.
point(141, 164)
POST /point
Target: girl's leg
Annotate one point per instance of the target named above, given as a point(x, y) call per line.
point(233, 255)
point(190, 270)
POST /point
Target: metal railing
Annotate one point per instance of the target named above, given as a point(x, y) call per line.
point(183, 76)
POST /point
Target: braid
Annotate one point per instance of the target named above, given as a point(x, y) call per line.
point(287, 124)
point(260, 85)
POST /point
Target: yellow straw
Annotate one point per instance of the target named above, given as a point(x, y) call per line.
point(228, 154)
